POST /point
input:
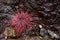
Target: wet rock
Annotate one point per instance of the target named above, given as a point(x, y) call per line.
point(43, 32)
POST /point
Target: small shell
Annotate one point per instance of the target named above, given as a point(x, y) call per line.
point(9, 32)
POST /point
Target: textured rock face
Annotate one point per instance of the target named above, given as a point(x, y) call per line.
point(10, 1)
point(47, 11)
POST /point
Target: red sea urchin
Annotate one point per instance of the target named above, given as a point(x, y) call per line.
point(21, 21)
